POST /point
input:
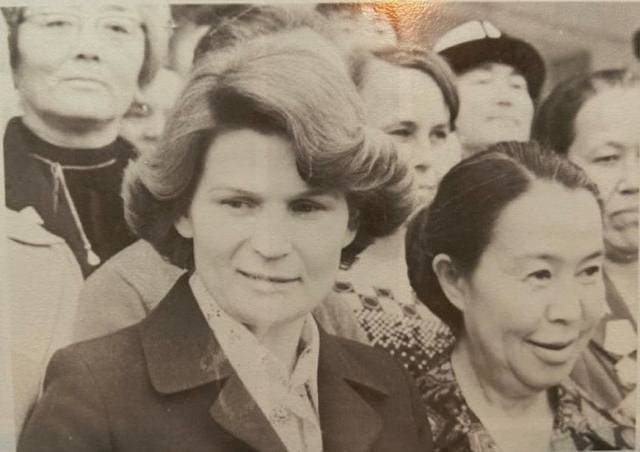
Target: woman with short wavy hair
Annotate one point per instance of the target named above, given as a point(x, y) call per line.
point(267, 179)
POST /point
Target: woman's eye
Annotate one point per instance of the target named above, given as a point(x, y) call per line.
point(400, 132)
point(605, 159)
point(238, 204)
point(118, 26)
point(591, 273)
point(306, 206)
point(540, 275)
point(58, 23)
point(439, 135)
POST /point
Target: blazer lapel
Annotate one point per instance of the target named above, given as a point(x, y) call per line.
point(348, 422)
point(238, 413)
point(182, 354)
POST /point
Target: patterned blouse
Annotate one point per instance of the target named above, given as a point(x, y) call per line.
point(377, 290)
point(404, 328)
point(578, 425)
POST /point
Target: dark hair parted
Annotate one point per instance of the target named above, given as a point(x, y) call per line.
point(461, 219)
point(430, 63)
point(554, 122)
point(292, 83)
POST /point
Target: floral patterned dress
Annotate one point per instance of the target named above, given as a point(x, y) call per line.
point(578, 425)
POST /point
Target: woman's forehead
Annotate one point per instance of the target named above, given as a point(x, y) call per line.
point(86, 8)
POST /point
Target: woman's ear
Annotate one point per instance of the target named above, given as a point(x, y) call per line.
point(451, 280)
point(184, 226)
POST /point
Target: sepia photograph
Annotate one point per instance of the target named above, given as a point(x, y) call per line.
point(396, 226)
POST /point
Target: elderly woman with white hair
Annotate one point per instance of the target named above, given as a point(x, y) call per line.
point(76, 69)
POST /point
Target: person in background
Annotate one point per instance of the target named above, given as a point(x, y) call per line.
point(520, 283)
point(259, 190)
point(125, 289)
point(143, 123)
point(63, 157)
point(353, 26)
point(499, 80)
point(592, 119)
point(410, 95)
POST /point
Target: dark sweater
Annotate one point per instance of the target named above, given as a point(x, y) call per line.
point(93, 177)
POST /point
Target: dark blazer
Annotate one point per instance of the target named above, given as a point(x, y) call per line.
point(164, 385)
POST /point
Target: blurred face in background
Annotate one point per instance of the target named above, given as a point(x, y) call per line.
point(366, 28)
point(144, 122)
point(494, 106)
point(79, 61)
point(607, 147)
point(182, 45)
point(409, 106)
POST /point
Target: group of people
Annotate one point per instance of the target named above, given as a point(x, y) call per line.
point(272, 228)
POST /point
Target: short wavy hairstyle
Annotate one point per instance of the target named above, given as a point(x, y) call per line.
point(461, 219)
point(554, 122)
point(292, 83)
point(156, 24)
point(407, 56)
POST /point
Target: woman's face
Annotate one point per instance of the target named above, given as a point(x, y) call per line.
point(494, 106)
point(144, 122)
point(266, 244)
point(79, 61)
point(408, 105)
point(537, 292)
point(607, 147)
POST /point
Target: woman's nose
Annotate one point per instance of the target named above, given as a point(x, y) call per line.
point(87, 42)
point(628, 183)
point(567, 305)
point(270, 238)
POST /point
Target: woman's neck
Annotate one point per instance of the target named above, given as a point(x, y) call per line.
point(282, 341)
point(70, 133)
point(514, 422)
point(484, 388)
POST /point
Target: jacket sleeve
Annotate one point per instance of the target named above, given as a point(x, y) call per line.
point(71, 415)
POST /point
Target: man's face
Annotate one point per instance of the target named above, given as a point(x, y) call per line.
point(494, 106)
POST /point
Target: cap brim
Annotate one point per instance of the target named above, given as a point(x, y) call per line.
point(514, 52)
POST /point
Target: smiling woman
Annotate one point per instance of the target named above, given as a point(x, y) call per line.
point(266, 180)
point(520, 284)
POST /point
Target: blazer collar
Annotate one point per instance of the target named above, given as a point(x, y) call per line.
point(182, 353)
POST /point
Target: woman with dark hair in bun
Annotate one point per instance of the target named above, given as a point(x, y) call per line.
point(519, 282)
point(266, 180)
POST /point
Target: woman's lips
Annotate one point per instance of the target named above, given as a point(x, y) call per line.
point(556, 352)
point(276, 279)
point(560, 345)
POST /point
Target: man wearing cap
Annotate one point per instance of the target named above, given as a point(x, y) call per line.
point(499, 80)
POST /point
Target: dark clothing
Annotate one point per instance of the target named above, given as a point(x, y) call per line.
point(164, 385)
point(93, 178)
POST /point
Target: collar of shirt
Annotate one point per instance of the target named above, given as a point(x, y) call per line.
point(265, 376)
